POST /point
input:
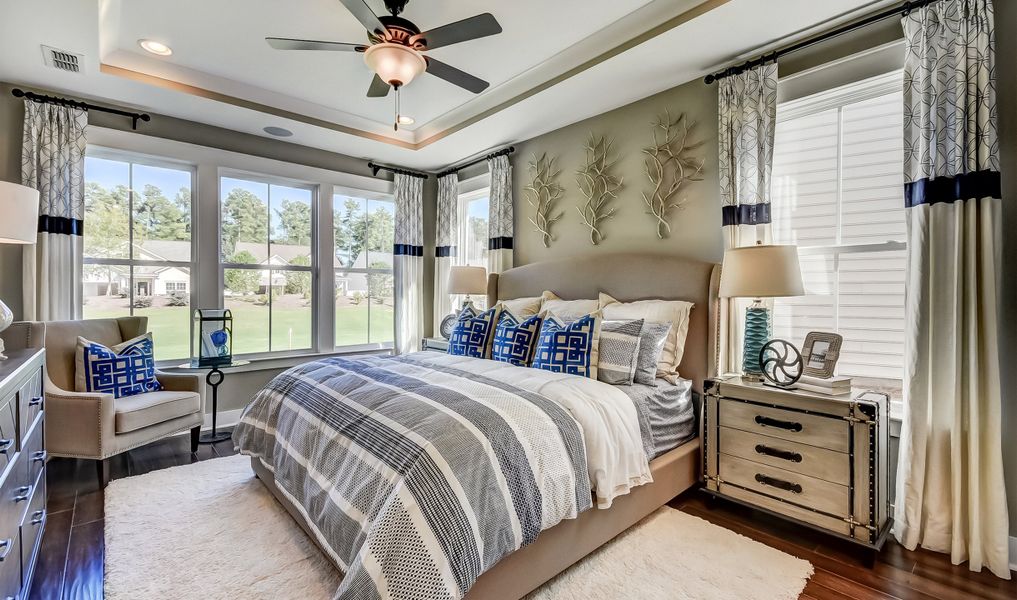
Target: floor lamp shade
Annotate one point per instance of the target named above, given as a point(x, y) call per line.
point(19, 206)
point(759, 272)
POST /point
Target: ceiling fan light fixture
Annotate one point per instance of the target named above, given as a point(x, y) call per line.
point(396, 64)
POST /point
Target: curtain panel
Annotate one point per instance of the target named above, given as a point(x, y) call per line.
point(447, 231)
point(950, 494)
point(500, 220)
point(746, 126)
point(53, 162)
point(408, 267)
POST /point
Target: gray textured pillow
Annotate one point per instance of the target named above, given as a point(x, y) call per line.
point(651, 345)
point(619, 347)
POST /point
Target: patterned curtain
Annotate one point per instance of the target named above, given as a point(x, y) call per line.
point(950, 494)
point(408, 263)
point(746, 125)
point(445, 245)
point(500, 221)
point(53, 162)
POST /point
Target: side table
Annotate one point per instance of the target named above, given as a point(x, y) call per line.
point(214, 377)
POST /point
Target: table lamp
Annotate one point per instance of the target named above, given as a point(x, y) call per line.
point(759, 272)
point(19, 206)
point(463, 280)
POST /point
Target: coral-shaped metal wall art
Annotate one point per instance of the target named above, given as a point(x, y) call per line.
point(543, 194)
point(669, 167)
point(598, 186)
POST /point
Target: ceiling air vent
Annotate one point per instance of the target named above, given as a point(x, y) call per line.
point(61, 59)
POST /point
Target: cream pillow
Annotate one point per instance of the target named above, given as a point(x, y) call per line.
point(675, 312)
point(568, 310)
point(522, 307)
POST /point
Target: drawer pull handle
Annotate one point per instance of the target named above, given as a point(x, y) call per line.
point(5, 445)
point(770, 422)
point(24, 493)
point(777, 453)
point(39, 456)
point(5, 548)
point(35, 401)
point(780, 484)
point(38, 517)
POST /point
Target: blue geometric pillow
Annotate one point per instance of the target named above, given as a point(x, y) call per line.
point(569, 348)
point(473, 332)
point(125, 369)
point(514, 341)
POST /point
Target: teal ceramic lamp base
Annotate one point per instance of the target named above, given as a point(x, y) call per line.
point(757, 333)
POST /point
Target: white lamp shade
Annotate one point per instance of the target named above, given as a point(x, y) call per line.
point(394, 63)
point(761, 272)
point(19, 213)
point(467, 280)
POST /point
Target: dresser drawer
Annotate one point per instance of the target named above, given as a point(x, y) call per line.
point(9, 442)
point(821, 463)
point(813, 430)
point(10, 567)
point(32, 528)
point(786, 485)
point(31, 399)
point(35, 454)
point(15, 494)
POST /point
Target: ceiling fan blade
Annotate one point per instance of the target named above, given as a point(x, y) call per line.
point(378, 89)
point(454, 75)
point(365, 15)
point(460, 31)
point(294, 44)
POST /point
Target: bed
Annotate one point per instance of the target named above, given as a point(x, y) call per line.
point(559, 427)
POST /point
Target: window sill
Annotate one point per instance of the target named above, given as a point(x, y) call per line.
point(267, 363)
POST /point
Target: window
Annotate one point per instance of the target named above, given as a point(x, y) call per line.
point(137, 245)
point(267, 232)
point(473, 238)
point(364, 230)
point(838, 193)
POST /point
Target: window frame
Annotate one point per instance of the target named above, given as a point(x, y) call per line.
point(138, 158)
point(463, 236)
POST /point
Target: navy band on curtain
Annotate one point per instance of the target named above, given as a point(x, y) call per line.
point(964, 186)
point(499, 243)
point(407, 250)
point(444, 251)
point(746, 214)
point(60, 225)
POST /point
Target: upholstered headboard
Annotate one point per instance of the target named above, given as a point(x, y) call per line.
point(630, 277)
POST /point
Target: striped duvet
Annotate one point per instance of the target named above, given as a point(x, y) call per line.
point(418, 473)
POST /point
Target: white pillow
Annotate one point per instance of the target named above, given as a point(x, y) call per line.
point(522, 307)
point(675, 312)
point(569, 310)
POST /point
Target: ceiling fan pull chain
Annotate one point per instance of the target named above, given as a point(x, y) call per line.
point(396, 124)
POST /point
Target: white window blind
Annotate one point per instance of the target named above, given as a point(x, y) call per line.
point(838, 194)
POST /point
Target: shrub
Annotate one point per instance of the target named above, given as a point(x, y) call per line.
point(142, 302)
point(177, 299)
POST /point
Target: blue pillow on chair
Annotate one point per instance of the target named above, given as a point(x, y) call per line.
point(514, 340)
point(125, 369)
point(569, 348)
point(473, 332)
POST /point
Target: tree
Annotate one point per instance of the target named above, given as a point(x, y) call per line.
point(380, 231)
point(242, 281)
point(346, 229)
point(358, 231)
point(299, 282)
point(478, 228)
point(107, 227)
point(156, 217)
point(294, 223)
point(380, 286)
point(243, 220)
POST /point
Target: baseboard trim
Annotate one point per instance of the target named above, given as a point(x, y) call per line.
point(1013, 553)
point(225, 418)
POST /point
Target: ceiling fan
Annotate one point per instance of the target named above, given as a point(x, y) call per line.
point(395, 47)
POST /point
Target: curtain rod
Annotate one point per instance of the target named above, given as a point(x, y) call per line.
point(902, 9)
point(375, 167)
point(42, 99)
point(502, 152)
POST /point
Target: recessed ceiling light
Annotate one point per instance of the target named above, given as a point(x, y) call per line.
point(404, 120)
point(277, 131)
point(155, 47)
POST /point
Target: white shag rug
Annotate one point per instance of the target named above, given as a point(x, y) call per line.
point(212, 530)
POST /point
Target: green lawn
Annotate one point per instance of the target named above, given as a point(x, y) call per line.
point(291, 327)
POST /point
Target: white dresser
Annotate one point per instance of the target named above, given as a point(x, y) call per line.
point(22, 470)
point(816, 460)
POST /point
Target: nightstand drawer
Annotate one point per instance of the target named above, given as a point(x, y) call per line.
point(820, 463)
point(786, 485)
point(790, 425)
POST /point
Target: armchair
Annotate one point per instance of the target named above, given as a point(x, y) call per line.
point(97, 426)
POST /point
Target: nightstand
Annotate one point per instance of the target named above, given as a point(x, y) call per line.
point(816, 460)
point(434, 344)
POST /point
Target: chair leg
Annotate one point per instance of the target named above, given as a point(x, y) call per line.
point(102, 472)
point(195, 436)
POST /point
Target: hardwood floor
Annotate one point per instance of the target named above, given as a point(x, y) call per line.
point(71, 559)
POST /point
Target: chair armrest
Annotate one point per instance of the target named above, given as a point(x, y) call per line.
point(183, 382)
point(78, 423)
